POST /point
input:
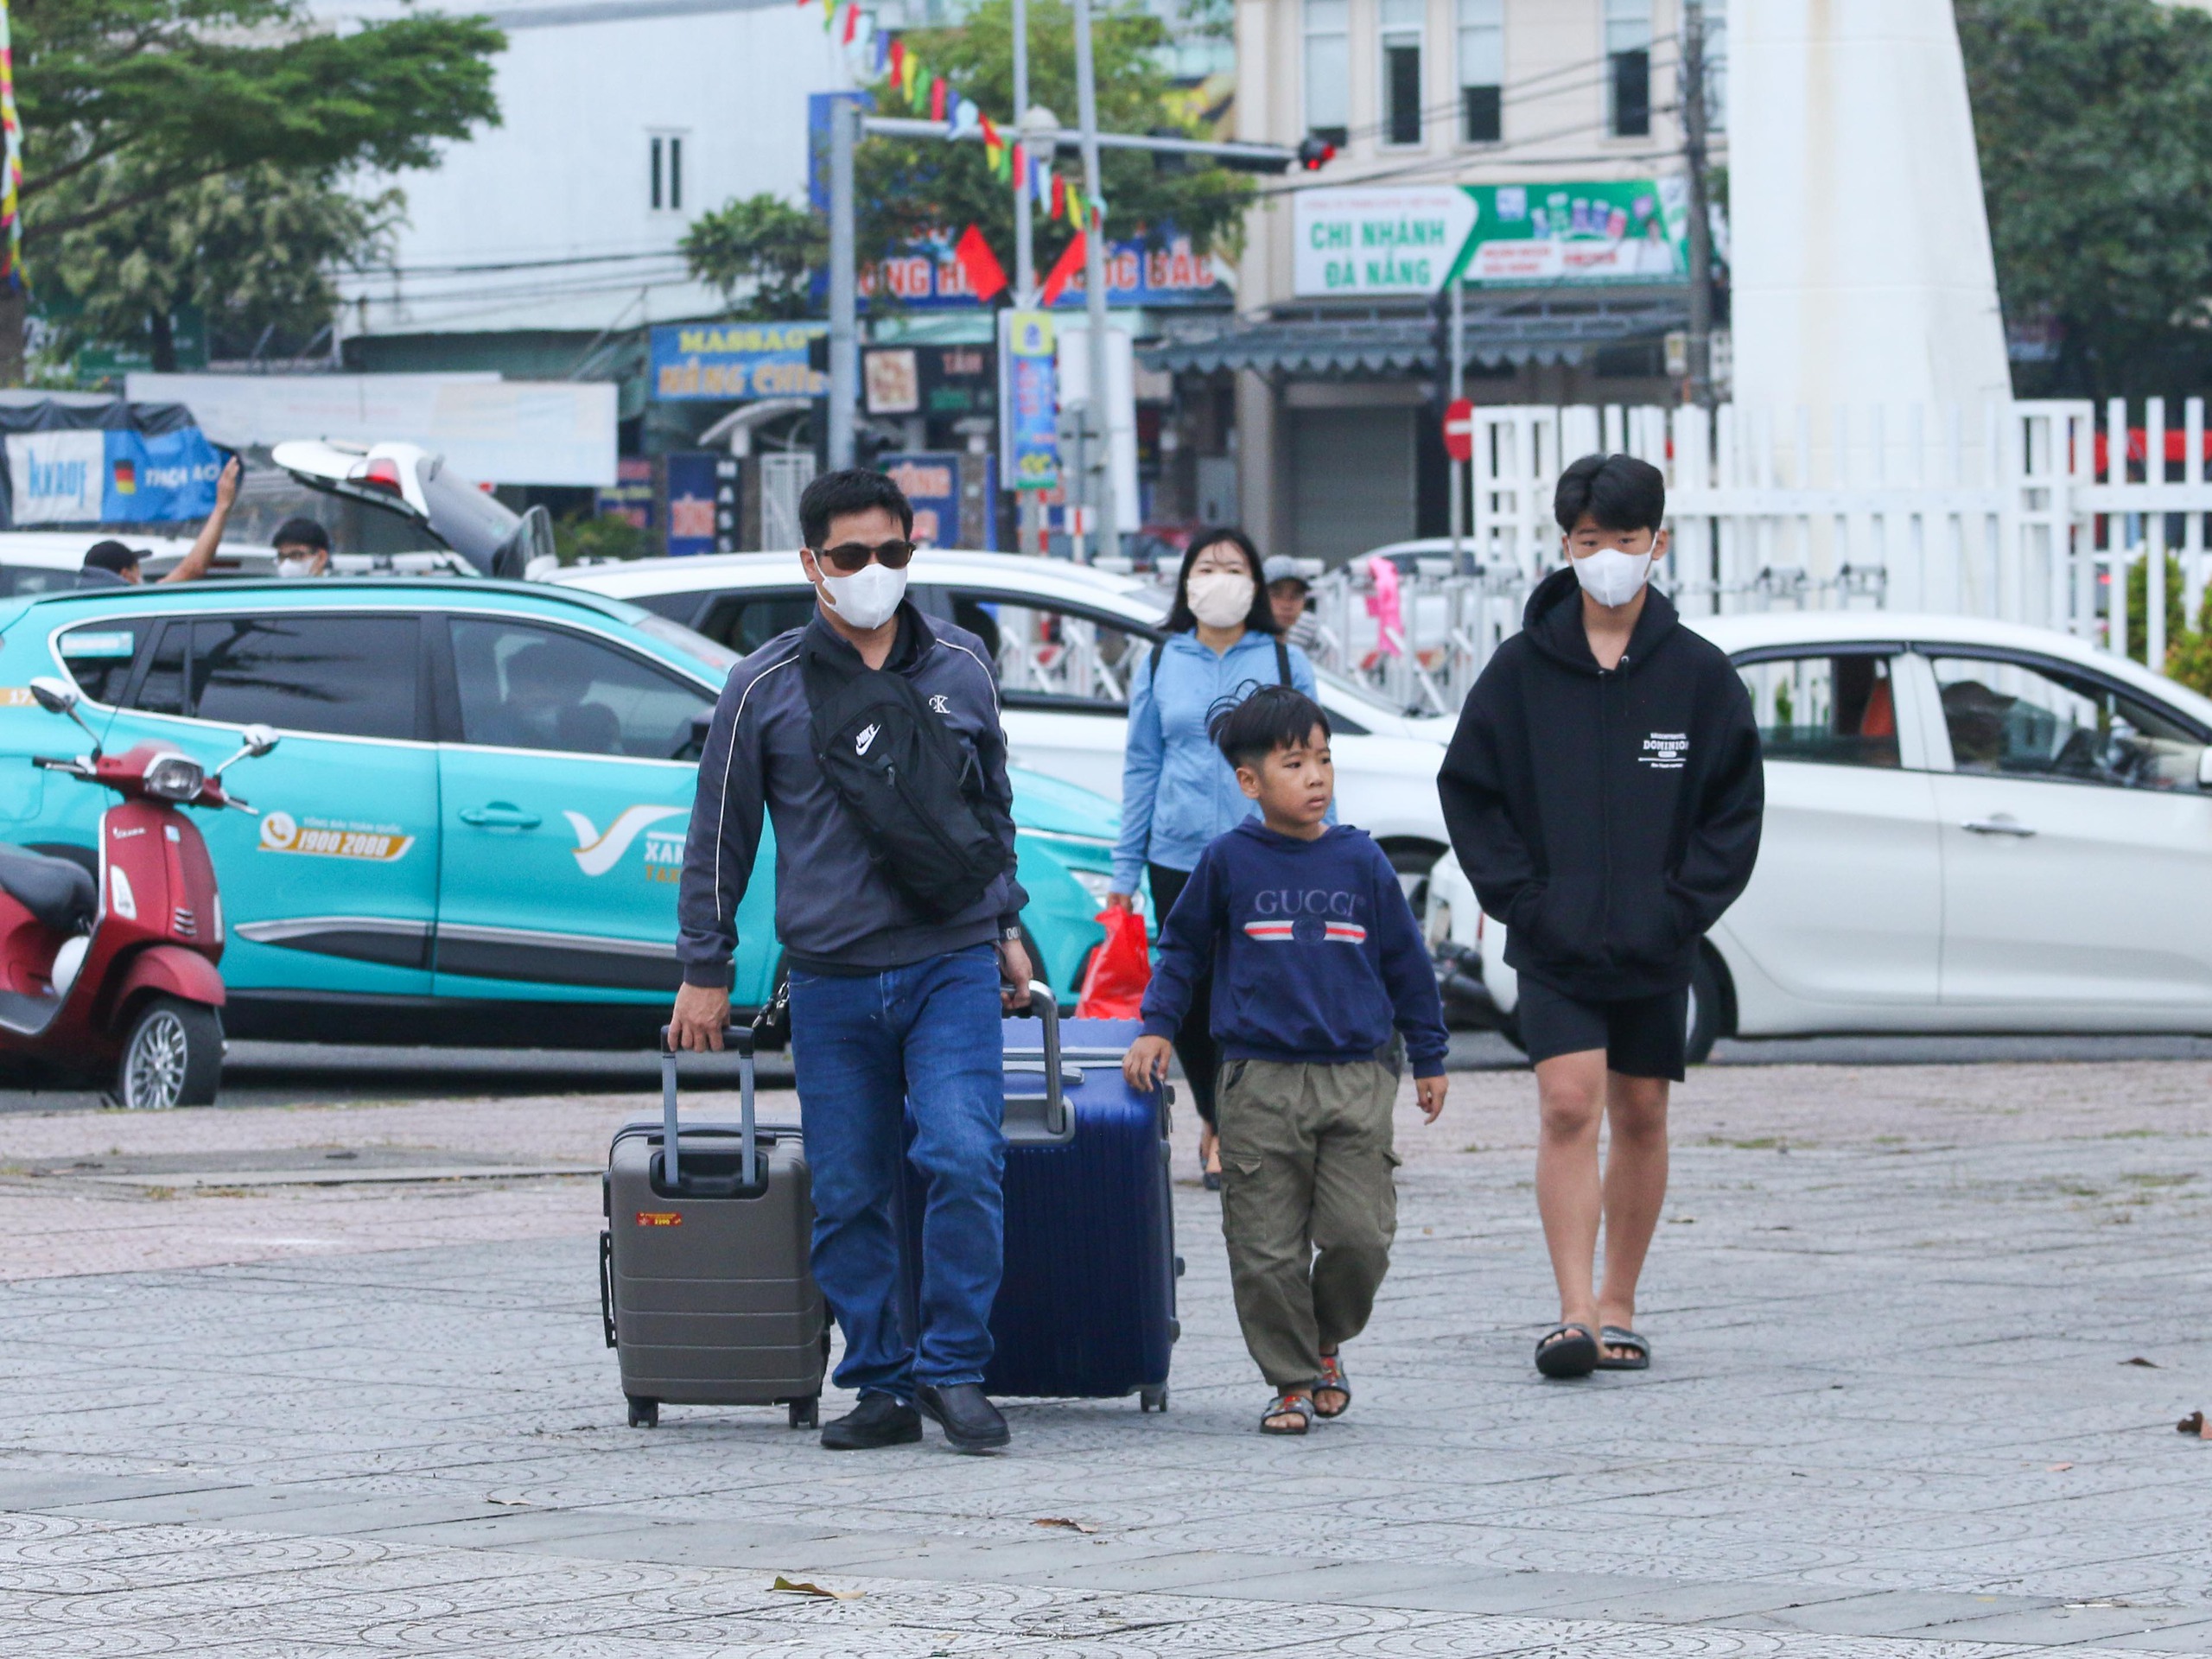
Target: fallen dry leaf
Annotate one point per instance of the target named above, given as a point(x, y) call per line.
point(2147, 1364)
point(2058, 1468)
point(1062, 1520)
point(2192, 1424)
point(801, 1586)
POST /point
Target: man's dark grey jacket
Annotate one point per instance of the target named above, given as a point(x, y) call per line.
point(836, 912)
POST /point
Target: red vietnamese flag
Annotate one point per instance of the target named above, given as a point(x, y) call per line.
point(985, 274)
point(937, 90)
point(1063, 272)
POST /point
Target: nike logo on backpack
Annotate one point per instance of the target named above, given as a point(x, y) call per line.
point(860, 743)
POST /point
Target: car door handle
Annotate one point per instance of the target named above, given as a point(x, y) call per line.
point(500, 815)
point(2000, 825)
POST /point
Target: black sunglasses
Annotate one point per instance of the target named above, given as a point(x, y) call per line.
point(851, 558)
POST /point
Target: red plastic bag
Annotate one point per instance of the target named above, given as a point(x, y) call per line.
point(1113, 986)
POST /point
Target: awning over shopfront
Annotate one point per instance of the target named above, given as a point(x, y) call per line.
point(1499, 333)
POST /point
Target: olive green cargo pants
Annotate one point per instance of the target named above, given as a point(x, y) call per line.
point(1309, 1205)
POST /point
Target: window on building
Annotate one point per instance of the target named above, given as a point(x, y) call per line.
point(1400, 56)
point(1481, 71)
point(667, 182)
point(1328, 71)
point(1628, 60)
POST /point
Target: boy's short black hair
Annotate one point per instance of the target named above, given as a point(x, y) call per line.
point(1620, 492)
point(1273, 717)
point(300, 532)
point(854, 490)
point(112, 557)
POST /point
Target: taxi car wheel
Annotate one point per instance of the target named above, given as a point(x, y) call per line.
point(1708, 1005)
point(1413, 861)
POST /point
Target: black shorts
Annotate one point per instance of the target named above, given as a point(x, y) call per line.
point(1642, 1037)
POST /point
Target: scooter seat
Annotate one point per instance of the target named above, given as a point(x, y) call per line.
point(59, 894)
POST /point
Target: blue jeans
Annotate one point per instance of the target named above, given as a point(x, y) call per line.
point(925, 1038)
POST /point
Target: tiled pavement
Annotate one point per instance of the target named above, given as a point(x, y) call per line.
point(1891, 1415)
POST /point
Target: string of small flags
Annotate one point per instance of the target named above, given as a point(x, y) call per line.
point(880, 55)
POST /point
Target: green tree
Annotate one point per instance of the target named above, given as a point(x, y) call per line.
point(134, 103)
point(2094, 120)
point(762, 251)
point(254, 250)
point(910, 188)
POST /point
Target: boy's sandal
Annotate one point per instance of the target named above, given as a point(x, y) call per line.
point(1567, 1350)
point(1332, 1380)
point(1638, 1358)
point(1294, 1404)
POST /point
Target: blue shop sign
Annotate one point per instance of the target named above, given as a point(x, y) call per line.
point(726, 362)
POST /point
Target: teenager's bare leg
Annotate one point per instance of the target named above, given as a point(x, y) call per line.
point(1571, 1099)
point(1635, 1190)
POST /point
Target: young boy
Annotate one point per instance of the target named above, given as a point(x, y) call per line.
point(1604, 794)
point(1316, 958)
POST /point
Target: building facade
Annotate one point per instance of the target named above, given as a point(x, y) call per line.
point(1528, 149)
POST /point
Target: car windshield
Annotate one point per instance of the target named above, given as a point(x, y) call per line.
point(473, 522)
point(719, 659)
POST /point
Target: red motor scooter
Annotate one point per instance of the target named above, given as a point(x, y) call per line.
point(118, 976)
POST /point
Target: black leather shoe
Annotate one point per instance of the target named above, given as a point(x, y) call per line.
point(970, 1422)
point(877, 1420)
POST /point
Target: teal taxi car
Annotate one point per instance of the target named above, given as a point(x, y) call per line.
point(473, 827)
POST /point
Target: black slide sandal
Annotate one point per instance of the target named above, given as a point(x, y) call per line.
point(1619, 1336)
point(1567, 1350)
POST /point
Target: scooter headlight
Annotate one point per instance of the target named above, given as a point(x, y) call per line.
point(175, 777)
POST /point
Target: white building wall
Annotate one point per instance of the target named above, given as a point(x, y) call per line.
point(559, 192)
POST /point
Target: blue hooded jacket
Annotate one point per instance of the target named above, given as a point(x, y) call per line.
point(1178, 793)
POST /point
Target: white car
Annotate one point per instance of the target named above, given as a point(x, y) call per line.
point(1970, 827)
point(1067, 637)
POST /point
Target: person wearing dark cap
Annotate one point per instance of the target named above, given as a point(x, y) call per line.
point(120, 561)
point(302, 548)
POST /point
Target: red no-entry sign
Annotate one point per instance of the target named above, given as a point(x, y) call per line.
point(1459, 429)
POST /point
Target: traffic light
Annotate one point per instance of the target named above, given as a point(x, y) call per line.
point(1314, 153)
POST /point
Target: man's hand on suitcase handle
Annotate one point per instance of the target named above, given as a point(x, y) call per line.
point(1145, 1065)
point(1015, 974)
point(698, 1021)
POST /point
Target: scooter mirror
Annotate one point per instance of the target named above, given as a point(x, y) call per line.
point(55, 696)
point(258, 740)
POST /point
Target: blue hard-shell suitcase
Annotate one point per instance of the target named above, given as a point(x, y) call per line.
point(1087, 1306)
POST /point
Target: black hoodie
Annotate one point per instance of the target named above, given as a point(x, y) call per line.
point(1606, 817)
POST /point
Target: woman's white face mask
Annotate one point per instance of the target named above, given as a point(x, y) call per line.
point(1220, 598)
point(869, 597)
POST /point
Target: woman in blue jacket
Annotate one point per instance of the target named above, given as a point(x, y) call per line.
point(1177, 791)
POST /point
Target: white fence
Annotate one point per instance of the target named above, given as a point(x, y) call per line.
point(2026, 512)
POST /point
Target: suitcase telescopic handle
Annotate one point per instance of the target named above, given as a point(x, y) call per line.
point(739, 1038)
point(1046, 1008)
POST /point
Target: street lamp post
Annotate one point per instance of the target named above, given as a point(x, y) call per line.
point(844, 283)
point(1093, 283)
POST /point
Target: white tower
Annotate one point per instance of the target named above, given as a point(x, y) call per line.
point(1861, 258)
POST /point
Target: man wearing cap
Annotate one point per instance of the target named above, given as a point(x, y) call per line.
point(120, 561)
point(1286, 591)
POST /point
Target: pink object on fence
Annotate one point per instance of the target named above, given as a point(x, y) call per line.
point(1383, 606)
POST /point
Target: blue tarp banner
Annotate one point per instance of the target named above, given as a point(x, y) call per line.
point(116, 463)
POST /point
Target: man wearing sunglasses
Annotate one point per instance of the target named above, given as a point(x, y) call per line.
point(895, 997)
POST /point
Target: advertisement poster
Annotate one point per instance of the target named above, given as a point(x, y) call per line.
point(631, 497)
point(735, 361)
point(948, 381)
point(1029, 454)
point(112, 475)
point(701, 503)
point(930, 482)
point(1357, 241)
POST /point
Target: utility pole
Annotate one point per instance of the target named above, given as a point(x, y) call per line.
point(1458, 390)
point(1027, 513)
point(1093, 283)
point(1693, 112)
point(844, 283)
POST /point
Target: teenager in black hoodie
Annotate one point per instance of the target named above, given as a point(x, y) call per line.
point(1604, 794)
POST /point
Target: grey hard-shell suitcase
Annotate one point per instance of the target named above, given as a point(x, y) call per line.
point(704, 1286)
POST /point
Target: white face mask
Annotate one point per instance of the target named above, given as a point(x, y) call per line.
point(1220, 598)
point(292, 569)
point(1611, 577)
point(869, 597)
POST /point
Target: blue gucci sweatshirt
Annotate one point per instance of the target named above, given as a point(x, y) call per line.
point(1315, 953)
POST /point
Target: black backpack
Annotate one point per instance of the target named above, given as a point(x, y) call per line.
point(914, 790)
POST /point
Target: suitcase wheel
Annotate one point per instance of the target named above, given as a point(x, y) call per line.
point(807, 1413)
point(1152, 1399)
point(644, 1413)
